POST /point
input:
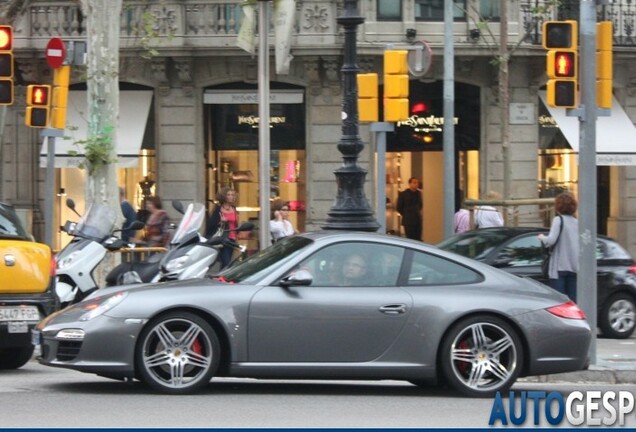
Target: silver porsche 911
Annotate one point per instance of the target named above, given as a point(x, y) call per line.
point(326, 305)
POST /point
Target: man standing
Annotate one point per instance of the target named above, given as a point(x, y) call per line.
point(409, 205)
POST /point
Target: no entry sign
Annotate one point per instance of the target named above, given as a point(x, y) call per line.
point(55, 53)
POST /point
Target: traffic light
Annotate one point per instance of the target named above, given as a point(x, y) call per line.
point(561, 39)
point(368, 97)
point(61, 77)
point(38, 103)
point(604, 69)
point(396, 86)
point(6, 65)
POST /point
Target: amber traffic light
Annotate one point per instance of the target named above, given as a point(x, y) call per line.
point(396, 86)
point(368, 97)
point(38, 103)
point(6, 65)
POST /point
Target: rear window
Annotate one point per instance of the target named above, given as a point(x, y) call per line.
point(10, 226)
point(476, 244)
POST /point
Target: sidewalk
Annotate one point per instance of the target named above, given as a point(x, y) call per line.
point(615, 364)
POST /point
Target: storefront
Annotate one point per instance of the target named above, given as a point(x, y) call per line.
point(415, 149)
point(231, 130)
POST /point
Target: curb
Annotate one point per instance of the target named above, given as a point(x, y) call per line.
point(586, 376)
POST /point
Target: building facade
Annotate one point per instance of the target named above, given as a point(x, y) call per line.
point(189, 115)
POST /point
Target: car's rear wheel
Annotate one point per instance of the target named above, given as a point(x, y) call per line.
point(177, 353)
point(618, 317)
point(14, 358)
point(481, 355)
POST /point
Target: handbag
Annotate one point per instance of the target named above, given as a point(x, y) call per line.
point(547, 254)
point(220, 231)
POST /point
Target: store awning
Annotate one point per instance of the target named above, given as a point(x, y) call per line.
point(615, 134)
point(134, 106)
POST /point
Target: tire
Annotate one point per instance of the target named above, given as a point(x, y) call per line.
point(169, 364)
point(618, 317)
point(14, 358)
point(476, 347)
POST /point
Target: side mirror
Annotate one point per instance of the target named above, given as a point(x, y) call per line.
point(297, 278)
point(178, 206)
point(70, 203)
point(136, 225)
point(69, 227)
point(215, 241)
point(246, 226)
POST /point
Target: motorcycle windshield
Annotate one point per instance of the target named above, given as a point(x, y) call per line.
point(97, 223)
point(190, 222)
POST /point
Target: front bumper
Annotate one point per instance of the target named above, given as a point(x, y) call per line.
point(107, 347)
point(46, 302)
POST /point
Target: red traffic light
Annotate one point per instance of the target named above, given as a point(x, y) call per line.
point(38, 95)
point(564, 64)
point(6, 38)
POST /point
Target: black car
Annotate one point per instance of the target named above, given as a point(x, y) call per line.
point(517, 250)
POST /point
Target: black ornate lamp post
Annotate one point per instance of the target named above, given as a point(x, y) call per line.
point(351, 210)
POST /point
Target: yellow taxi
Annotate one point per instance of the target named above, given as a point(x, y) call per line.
point(27, 288)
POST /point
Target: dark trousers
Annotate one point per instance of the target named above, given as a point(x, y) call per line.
point(565, 284)
point(225, 256)
point(413, 231)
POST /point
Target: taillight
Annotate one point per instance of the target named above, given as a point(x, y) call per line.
point(632, 269)
point(52, 267)
point(567, 310)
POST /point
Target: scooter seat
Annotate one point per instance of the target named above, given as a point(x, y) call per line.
point(147, 270)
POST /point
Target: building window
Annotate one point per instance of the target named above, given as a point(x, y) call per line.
point(433, 10)
point(389, 10)
point(489, 10)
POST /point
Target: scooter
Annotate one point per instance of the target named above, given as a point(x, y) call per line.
point(92, 238)
point(190, 255)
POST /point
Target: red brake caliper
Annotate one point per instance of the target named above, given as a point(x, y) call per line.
point(463, 366)
point(196, 346)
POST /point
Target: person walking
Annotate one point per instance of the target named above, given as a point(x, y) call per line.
point(129, 216)
point(564, 241)
point(280, 226)
point(224, 216)
point(158, 223)
point(410, 205)
point(488, 216)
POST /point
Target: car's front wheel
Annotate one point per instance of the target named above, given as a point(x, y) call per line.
point(618, 317)
point(14, 358)
point(481, 355)
point(177, 353)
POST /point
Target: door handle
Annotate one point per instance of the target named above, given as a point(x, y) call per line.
point(393, 309)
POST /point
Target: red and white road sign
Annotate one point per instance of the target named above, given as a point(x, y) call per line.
point(55, 53)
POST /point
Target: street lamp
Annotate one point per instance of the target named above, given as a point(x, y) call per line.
point(351, 210)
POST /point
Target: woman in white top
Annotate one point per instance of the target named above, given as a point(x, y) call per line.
point(280, 226)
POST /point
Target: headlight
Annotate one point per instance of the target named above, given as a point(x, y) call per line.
point(99, 305)
point(67, 261)
point(177, 263)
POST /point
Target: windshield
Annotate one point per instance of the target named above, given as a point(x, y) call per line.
point(10, 225)
point(475, 244)
point(265, 261)
point(97, 223)
point(190, 222)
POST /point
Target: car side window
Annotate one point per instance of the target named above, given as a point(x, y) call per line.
point(611, 250)
point(428, 269)
point(523, 251)
point(355, 264)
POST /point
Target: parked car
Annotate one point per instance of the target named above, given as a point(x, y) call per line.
point(326, 305)
point(518, 251)
point(27, 282)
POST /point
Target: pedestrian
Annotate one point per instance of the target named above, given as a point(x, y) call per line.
point(409, 206)
point(462, 215)
point(223, 217)
point(280, 226)
point(487, 216)
point(130, 216)
point(158, 223)
point(564, 241)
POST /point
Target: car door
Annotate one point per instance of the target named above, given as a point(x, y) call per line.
point(330, 321)
point(521, 256)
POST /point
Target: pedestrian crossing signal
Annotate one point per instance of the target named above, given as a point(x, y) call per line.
point(38, 105)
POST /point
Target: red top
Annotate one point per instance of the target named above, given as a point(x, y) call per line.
point(231, 218)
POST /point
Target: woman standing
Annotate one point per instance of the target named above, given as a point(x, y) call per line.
point(564, 241)
point(280, 226)
point(225, 215)
point(158, 223)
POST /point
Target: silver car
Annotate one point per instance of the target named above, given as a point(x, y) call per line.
point(326, 305)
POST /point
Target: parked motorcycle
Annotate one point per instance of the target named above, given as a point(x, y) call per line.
point(190, 255)
point(92, 238)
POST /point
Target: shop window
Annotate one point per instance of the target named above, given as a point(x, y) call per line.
point(389, 10)
point(433, 10)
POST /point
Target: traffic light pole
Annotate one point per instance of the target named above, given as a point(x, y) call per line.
point(380, 129)
point(49, 192)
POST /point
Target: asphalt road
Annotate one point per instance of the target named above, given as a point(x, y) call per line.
point(38, 396)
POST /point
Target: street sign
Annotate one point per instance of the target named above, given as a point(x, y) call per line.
point(420, 58)
point(55, 53)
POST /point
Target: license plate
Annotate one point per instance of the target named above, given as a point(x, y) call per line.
point(36, 337)
point(19, 313)
point(18, 327)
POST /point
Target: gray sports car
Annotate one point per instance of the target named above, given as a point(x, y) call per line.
point(326, 305)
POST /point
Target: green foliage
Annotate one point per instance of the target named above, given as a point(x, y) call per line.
point(97, 149)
